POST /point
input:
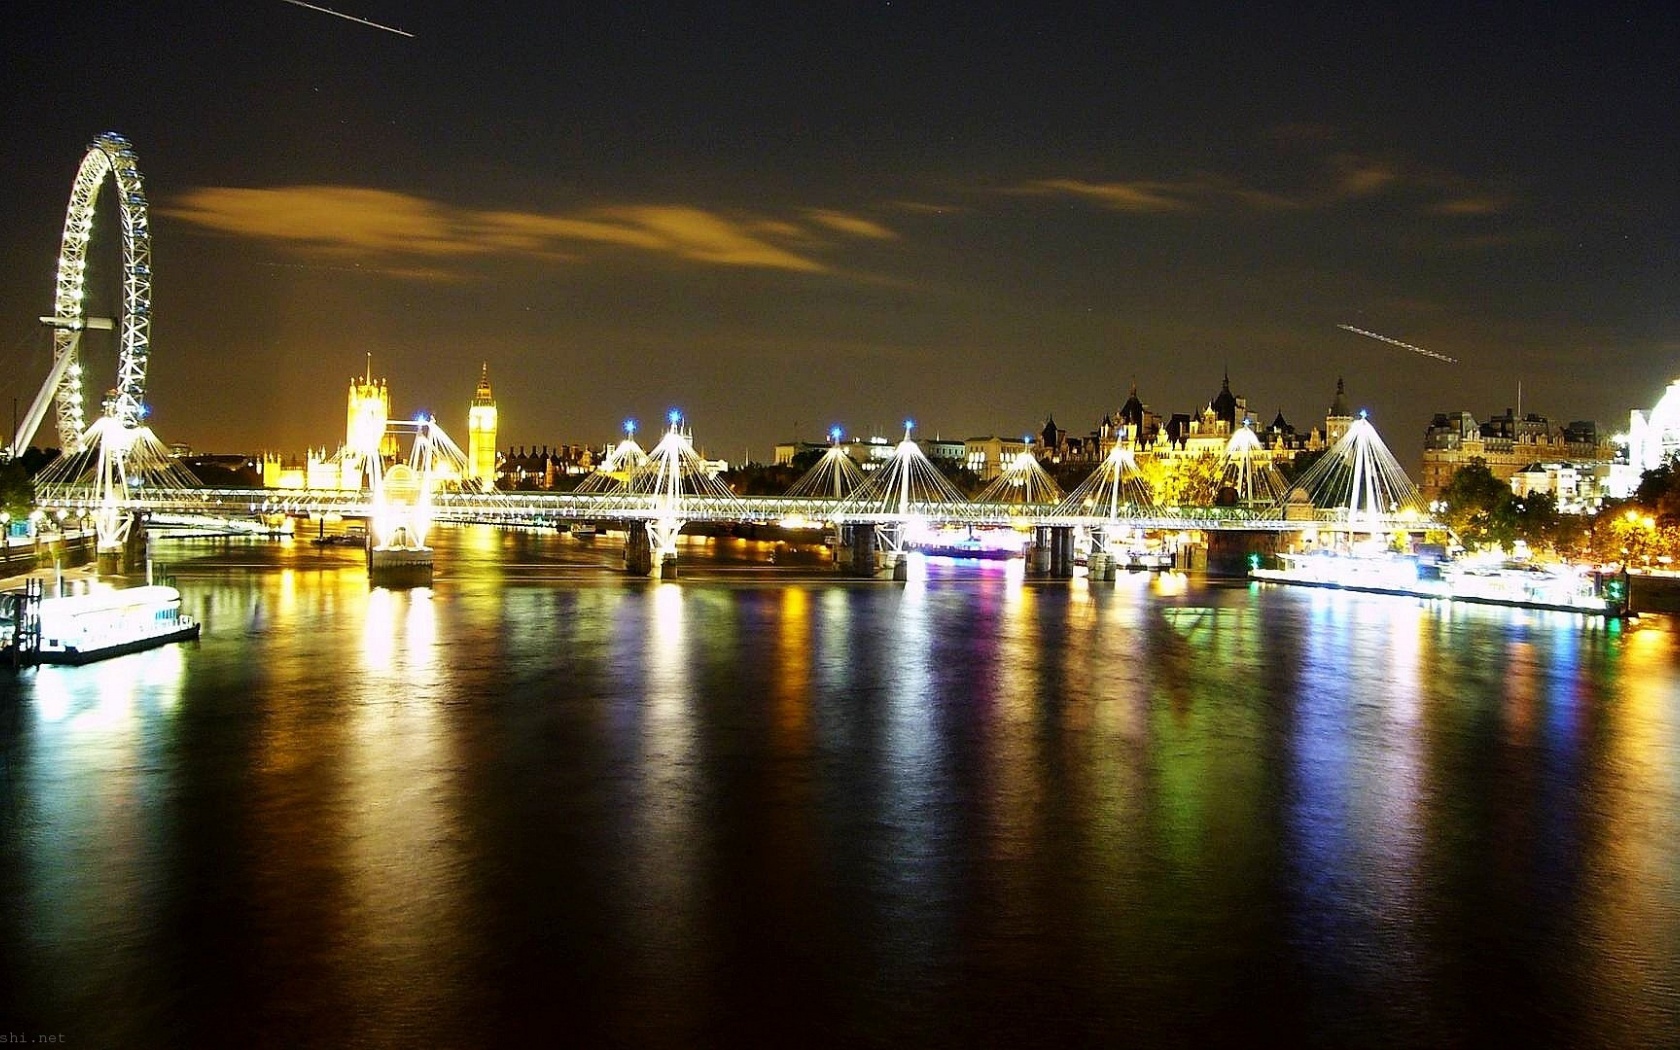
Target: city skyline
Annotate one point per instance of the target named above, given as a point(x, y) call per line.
point(780, 222)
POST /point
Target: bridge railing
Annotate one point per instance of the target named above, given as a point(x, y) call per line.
point(555, 508)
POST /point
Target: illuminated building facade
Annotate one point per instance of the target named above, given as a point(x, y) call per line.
point(481, 432)
point(1654, 437)
point(1513, 445)
point(367, 411)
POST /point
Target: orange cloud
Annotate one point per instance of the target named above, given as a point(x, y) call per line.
point(328, 217)
point(1329, 181)
point(343, 221)
point(1137, 196)
point(1362, 176)
point(852, 224)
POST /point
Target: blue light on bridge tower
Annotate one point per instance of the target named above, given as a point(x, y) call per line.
point(675, 416)
point(629, 428)
point(834, 433)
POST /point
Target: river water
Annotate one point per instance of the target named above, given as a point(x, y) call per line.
point(542, 803)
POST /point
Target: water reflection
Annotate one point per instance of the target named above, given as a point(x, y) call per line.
point(969, 809)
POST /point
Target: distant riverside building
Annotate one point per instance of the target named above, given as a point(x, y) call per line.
point(1338, 419)
point(1183, 435)
point(545, 467)
point(367, 411)
point(1653, 438)
point(870, 453)
point(989, 456)
point(1528, 452)
point(1151, 436)
point(481, 431)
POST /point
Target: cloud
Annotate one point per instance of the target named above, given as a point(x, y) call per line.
point(1139, 196)
point(328, 217)
point(702, 236)
point(1319, 180)
point(852, 224)
point(350, 222)
point(1357, 176)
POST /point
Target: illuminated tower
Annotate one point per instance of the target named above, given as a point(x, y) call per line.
point(1338, 419)
point(481, 432)
point(368, 409)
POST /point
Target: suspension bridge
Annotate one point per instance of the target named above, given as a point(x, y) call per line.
point(116, 472)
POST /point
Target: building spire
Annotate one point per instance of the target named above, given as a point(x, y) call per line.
point(1338, 407)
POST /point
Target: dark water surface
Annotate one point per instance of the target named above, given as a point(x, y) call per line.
point(540, 803)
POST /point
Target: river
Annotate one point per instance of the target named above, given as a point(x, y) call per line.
point(541, 803)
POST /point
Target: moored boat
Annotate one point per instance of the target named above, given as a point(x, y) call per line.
point(101, 623)
point(1525, 585)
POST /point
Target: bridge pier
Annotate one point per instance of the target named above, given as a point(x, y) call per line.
point(1099, 567)
point(1231, 553)
point(1061, 552)
point(394, 567)
point(898, 562)
point(858, 546)
point(1038, 552)
point(127, 556)
point(638, 550)
point(136, 548)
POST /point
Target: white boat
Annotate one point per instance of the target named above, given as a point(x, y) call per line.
point(80, 628)
point(1524, 585)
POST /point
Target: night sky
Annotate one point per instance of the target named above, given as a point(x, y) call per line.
point(779, 217)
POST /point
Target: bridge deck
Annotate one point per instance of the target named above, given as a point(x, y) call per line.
point(529, 508)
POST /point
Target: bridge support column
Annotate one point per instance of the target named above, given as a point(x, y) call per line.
point(668, 566)
point(1038, 552)
point(858, 543)
point(638, 550)
point(1099, 567)
point(135, 547)
point(1061, 552)
point(899, 562)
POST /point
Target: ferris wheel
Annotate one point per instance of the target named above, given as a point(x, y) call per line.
point(109, 155)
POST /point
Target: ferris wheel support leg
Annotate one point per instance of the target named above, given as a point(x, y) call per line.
point(38, 409)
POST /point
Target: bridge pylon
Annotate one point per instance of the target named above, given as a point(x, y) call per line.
point(674, 486)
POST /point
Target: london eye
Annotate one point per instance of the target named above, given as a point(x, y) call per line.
point(109, 155)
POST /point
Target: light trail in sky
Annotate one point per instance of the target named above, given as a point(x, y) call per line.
point(1396, 342)
point(349, 18)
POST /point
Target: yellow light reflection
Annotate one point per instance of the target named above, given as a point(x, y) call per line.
point(793, 659)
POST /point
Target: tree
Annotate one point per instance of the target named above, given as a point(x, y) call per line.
point(966, 481)
point(1658, 493)
point(1478, 506)
point(762, 479)
point(1184, 481)
point(17, 489)
point(1292, 468)
point(804, 461)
